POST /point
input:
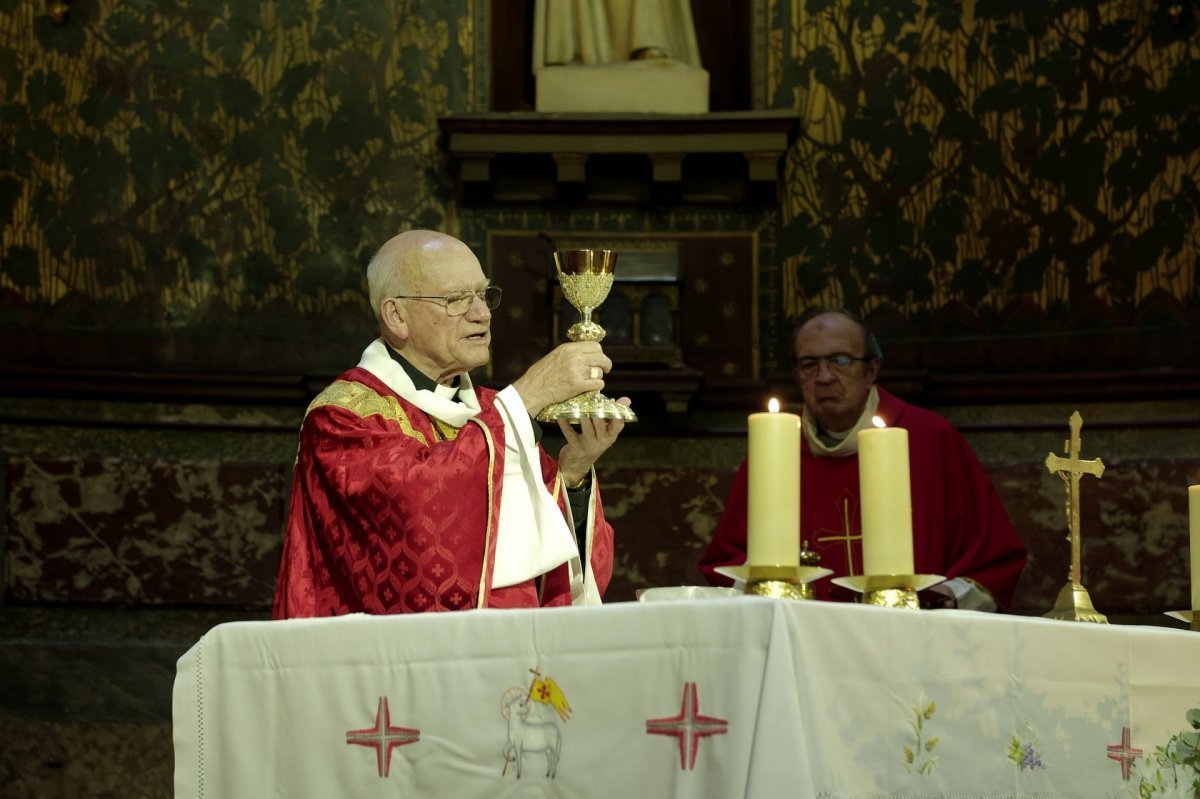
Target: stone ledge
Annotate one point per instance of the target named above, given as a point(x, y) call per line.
point(686, 158)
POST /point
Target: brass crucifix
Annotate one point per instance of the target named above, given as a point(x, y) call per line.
point(1073, 603)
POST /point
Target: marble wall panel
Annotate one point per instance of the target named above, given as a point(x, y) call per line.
point(1134, 523)
point(142, 531)
point(83, 760)
point(662, 520)
point(1134, 534)
point(157, 532)
point(119, 681)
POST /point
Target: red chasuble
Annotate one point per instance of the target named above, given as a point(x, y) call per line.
point(394, 511)
point(960, 528)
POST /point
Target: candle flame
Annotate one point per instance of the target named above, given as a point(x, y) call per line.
point(875, 420)
point(773, 405)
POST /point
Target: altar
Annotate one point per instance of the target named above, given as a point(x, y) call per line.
point(744, 696)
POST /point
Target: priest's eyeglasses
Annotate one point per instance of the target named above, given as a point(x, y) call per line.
point(810, 367)
point(459, 302)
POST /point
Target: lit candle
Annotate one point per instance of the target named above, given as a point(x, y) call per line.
point(886, 500)
point(1194, 524)
point(774, 516)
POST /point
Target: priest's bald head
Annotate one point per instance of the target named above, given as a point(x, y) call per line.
point(836, 362)
point(433, 302)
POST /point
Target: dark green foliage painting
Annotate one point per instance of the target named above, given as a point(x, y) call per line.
point(200, 185)
point(996, 171)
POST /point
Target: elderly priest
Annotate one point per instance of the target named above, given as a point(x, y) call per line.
point(415, 490)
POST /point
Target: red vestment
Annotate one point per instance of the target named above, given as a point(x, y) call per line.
point(960, 528)
point(394, 511)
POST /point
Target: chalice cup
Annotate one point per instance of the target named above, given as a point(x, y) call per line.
point(586, 277)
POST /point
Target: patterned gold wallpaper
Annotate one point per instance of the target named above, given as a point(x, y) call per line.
point(166, 159)
point(981, 152)
point(213, 176)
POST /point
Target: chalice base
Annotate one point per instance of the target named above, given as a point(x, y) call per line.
point(1074, 604)
point(589, 405)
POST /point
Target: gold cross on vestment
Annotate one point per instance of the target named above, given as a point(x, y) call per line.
point(846, 536)
point(1070, 469)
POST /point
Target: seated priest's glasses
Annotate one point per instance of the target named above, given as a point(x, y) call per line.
point(810, 367)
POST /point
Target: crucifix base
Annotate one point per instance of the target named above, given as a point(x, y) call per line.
point(1192, 617)
point(1074, 604)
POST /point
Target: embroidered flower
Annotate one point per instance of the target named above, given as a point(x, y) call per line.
point(918, 757)
point(1023, 750)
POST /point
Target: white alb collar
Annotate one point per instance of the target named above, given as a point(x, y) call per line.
point(849, 444)
point(438, 403)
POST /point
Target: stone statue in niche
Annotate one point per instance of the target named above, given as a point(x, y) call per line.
point(614, 56)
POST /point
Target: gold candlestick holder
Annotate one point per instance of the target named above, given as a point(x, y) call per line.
point(780, 582)
point(1192, 617)
point(890, 590)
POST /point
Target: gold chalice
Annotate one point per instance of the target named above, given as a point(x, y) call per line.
point(586, 277)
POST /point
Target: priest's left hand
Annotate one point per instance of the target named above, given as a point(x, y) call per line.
point(586, 444)
point(938, 597)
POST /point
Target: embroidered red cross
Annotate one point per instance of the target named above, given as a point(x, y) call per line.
point(383, 737)
point(1123, 753)
point(689, 726)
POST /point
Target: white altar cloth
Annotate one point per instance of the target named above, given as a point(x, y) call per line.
point(721, 698)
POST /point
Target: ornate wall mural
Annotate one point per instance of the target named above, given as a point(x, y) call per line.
point(212, 180)
point(218, 173)
point(992, 169)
